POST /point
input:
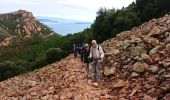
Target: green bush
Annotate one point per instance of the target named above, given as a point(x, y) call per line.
point(40, 62)
point(54, 54)
point(7, 69)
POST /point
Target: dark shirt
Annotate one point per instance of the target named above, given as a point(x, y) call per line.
point(86, 55)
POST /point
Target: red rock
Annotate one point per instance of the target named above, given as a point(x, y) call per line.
point(134, 75)
point(152, 81)
point(122, 98)
point(113, 97)
point(119, 84)
point(56, 97)
point(147, 97)
point(153, 69)
point(140, 67)
point(109, 71)
point(95, 84)
point(155, 50)
point(146, 57)
point(103, 98)
point(156, 58)
point(153, 41)
point(168, 47)
point(167, 97)
point(103, 93)
point(147, 86)
point(153, 92)
point(166, 63)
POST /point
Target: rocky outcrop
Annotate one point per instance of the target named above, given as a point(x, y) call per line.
point(23, 23)
point(6, 42)
point(143, 60)
point(22, 13)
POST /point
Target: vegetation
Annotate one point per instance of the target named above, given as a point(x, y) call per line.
point(110, 22)
point(27, 54)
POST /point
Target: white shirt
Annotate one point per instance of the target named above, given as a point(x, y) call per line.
point(96, 52)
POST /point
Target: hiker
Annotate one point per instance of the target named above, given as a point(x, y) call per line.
point(75, 50)
point(82, 51)
point(79, 49)
point(97, 55)
point(86, 54)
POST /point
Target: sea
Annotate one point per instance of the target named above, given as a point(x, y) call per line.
point(64, 26)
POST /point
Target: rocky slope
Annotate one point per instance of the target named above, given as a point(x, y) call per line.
point(136, 67)
point(140, 58)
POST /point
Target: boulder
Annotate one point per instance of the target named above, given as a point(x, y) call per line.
point(168, 47)
point(167, 97)
point(134, 75)
point(153, 41)
point(153, 69)
point(166, 63)
point(146, 57)
point(119, 84)
point(115, 51)
point(154, 31)
point(135, 51)
point(147, 97)
point(140, 67)
point(109, 71)
point(155, 50)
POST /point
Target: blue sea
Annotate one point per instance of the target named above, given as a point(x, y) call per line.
point(67, 28)
point(64, 26)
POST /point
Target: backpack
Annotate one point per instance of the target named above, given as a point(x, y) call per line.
point(102, 48)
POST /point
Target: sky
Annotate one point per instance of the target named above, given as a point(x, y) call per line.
point(84, 10)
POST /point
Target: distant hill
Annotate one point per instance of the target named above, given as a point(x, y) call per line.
point(22, 23)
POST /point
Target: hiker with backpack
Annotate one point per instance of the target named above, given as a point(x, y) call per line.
point(86, 54)
point(97, 55)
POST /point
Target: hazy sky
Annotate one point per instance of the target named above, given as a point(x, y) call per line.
point(71, 9)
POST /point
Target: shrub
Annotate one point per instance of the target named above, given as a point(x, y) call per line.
point(40, 62)
point(7, 69)
point(54, 54)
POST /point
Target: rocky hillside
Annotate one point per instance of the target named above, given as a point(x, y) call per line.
point(140, 58)
point(136, 67)
point(22, 23)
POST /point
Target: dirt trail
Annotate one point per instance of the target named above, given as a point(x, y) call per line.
point(64, 80)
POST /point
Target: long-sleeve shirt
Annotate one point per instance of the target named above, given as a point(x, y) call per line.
point(96, 52)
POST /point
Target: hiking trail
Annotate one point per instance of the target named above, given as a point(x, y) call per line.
point(61, 80)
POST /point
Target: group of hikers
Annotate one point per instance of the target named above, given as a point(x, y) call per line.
point(92, 56)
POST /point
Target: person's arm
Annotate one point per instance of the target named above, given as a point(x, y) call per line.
point(90, 56)
point(101, 52)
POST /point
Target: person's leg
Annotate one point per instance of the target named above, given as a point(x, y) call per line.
point(91, 70)
point(98, 67)
point(76, 54)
